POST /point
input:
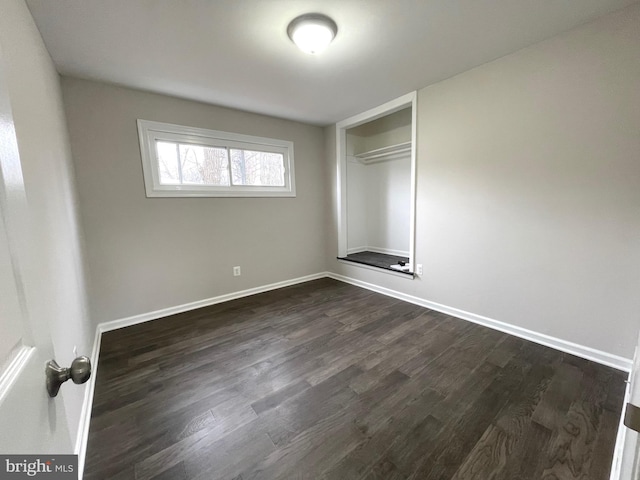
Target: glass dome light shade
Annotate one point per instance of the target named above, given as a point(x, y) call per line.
point(312, 33)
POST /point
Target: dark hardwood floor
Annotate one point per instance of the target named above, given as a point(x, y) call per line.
point(325, 380)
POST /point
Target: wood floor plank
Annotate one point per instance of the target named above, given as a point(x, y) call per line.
point(501, 442)
point(553, 407)
point(325, 380)
point(311, 406)
point(571, 453)
point(225, 462)
point(307, 453)
point(383, 430)
point(275, 399)
point(177, 472)
point(464, 431)
point(603, 447)
point(230, 418)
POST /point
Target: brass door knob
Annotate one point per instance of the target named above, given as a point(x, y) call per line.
point(79, 372)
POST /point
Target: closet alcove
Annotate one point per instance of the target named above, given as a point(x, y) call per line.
point(378, 194)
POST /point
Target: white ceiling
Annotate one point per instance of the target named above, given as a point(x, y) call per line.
point(236, 53)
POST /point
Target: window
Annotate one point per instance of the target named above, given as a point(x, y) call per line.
point(182, 161)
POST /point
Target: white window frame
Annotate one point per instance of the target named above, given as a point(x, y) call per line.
point(149, 132)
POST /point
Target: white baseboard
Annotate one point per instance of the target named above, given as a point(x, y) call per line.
point(582, 351)
point(621, 438)
point(165, 312)
point(388, 251)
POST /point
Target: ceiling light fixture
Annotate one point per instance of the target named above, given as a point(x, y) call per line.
point(312, 32)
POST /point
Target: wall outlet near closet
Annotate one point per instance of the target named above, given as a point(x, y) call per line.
point(419, 269)
point(236, 271)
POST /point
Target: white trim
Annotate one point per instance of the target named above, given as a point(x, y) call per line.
point(13, 370)
point(149, 132)
point(383, 110)
point(341, 189)
point(414, 182)
point(588, 353)
point(408, 100)
point(625, 462)
point(82, 436)
point(165, 312)
point(621, 437)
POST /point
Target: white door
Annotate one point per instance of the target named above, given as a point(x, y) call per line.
point(30, 422)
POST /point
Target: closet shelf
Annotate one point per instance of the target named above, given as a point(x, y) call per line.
point(384, 154)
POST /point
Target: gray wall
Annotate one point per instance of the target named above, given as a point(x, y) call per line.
point(146, 254)
point(51, 267)
point(378, 204)
point(529, 188)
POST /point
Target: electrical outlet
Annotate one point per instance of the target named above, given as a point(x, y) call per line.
point(419, 269)
point(236, 271)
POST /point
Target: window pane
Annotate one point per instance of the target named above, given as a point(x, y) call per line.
point(249, 167)
point(168, 163)
point(204, 165)
point(196, 162)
